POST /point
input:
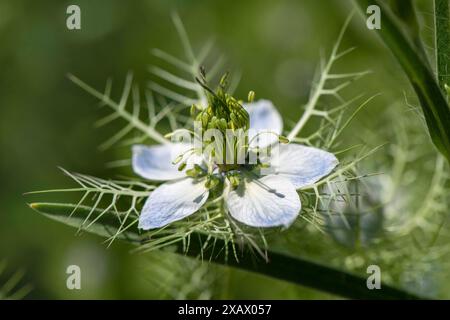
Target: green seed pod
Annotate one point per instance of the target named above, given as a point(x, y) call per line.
point(223, 110)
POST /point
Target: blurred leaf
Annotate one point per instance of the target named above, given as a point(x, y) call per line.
point(442, 30)
point(432, 100)
point(11, 288)
point(353, 218)
point(406, 13)
point(280, 266)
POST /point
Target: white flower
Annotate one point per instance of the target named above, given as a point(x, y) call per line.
point(258, 201)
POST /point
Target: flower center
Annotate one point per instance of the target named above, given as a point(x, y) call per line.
point(223, 117)
point(223, 111)
point(224, 137)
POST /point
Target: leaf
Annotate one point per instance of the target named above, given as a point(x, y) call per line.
point(11, 289)
point(280, 266)
point(434, 105)
point(322, 89)
point(406, 12)
point(106, 225)
point(442, 30)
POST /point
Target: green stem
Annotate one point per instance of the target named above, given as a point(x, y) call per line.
point(280, 266)
point(432, 100)
point(442, 31)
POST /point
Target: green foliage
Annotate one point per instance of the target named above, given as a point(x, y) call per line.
point(110, 208)
point(281, 266)
point(10, 288)
point(409, 54)
point(442, 31)
point(209, 234)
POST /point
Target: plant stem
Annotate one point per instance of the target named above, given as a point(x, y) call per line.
point(280, 266)
point(442, 31)
point(300, 271)
point(432, 100)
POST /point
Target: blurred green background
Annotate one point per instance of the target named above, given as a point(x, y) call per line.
point(46, 122)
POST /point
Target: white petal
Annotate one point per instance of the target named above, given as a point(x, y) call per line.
point(269, 201)
point(303, 165)
point(173, 201)
point(263, 117)
point(155, 162)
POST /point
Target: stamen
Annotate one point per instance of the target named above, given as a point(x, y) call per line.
point(182, 166)
point(251, 96)
point(182, 156)
point(281, 138)
point(171, 134)
point(178, 159)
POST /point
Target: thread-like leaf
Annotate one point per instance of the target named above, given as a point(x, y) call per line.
point(72, 215)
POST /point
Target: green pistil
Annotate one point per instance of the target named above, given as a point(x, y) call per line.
point(223, 111)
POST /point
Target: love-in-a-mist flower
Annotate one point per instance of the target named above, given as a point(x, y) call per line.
point(249, 196)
